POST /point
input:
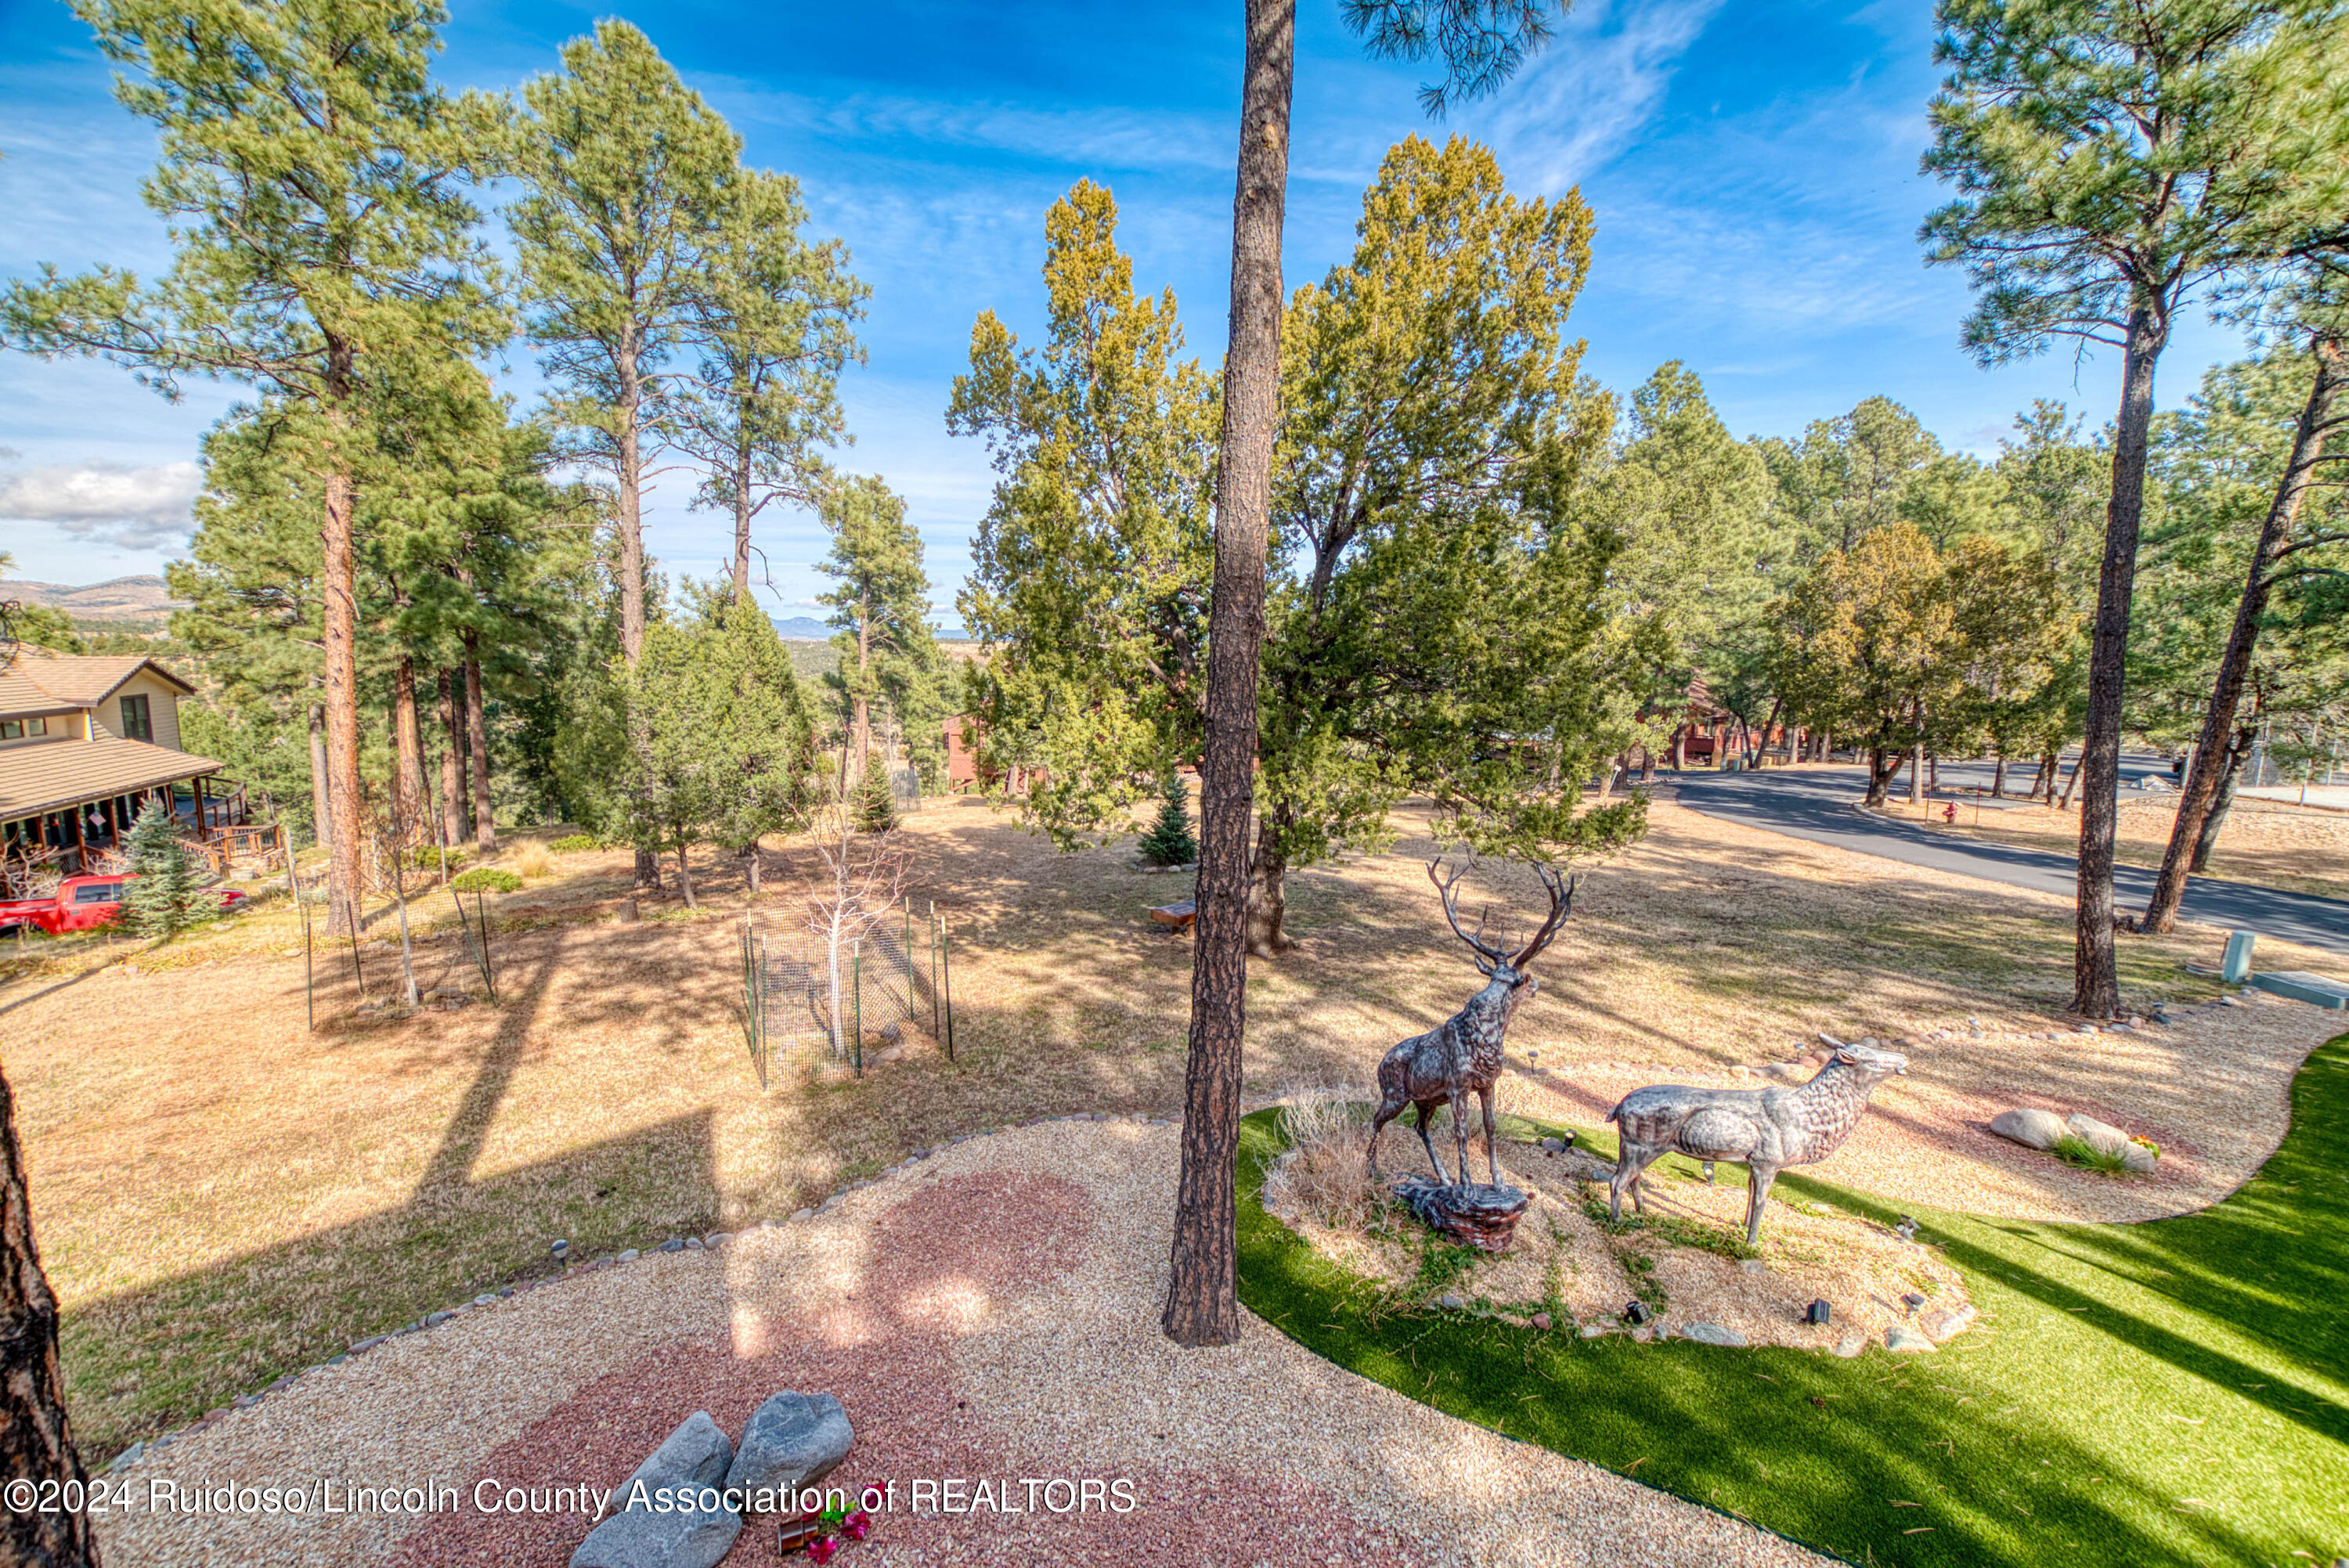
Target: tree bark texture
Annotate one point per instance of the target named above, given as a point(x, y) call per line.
point(36, 1438)
point(1269, 917)
point(2095, 982)
point(454, 806)
point(408, 748)
point(2239, 751)
point(477, 734)
point(2210, 749)
point(1203, 1294)
point(341, 618)
point(322, 809)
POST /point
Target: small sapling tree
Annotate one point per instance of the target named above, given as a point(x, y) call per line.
point(1169, 841)
point(160, 899)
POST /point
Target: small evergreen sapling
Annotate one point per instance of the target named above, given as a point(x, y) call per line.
point(876, 805)
point(1169, 841)
point(160, 900)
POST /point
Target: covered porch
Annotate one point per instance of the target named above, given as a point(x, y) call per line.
point(69, 808)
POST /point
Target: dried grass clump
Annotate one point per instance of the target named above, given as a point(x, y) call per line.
point(1326, 1175)
point(530, 862)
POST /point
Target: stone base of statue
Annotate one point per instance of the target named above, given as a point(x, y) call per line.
point(1474, 1214)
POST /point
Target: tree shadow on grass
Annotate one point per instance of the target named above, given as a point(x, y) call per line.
point(2137, 1394)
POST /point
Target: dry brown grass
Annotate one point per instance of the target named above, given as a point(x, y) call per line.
point(1325, 1174)
point(223, 1195)
point(2271, 843)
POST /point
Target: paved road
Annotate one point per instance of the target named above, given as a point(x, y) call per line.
point(1815, 803)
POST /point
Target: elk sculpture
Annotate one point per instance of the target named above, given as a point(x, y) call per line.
point(1443, 1066)
point(1768, 1129)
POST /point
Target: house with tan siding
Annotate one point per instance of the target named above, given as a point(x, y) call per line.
point(84, 744)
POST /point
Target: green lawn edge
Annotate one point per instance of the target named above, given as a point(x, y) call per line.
point(2164, 1392)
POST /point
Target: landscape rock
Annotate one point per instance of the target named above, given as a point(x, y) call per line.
point(792, 1440)
point(1946, 1324)
point(2100, 1136)
point(694, 1456)
point(1474, 1214)
point(1711, 1334)
point(2031, 1129)
point(1541, 1320)
point(1901, 1337)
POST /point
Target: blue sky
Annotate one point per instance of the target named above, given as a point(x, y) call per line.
point(1752, 168)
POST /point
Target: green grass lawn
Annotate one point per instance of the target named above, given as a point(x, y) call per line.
point(2158, 1393)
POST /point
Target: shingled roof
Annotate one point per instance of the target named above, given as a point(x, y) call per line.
point(35, 779)
point(37, 681)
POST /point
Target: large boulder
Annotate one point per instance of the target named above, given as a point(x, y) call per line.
point(691, 1459)
point(2106, 1139)
point(792, 1440)
point(2031, 1129)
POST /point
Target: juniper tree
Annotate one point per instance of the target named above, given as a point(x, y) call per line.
point(1089, 579)
point(312, 176)
point(2111, 161)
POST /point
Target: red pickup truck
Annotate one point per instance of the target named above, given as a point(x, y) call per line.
point(83, 902)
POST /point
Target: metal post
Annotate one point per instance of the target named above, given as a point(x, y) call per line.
point(945, 973)
point(489, 970)
point(905, 956)
point(934, 969)
point(857, 984)
point(309, 970)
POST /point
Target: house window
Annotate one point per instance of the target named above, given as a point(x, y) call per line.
point(138, 724)
point(21, 729)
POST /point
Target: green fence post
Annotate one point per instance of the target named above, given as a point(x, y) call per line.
point(946, 974)
point(906, 957)
point(857, 985)
point(934, 970)
point(309, 970)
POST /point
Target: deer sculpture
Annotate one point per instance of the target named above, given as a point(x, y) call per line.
point(1443, 1066)
point(1768, 1129)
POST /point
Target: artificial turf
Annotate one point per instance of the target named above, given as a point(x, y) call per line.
point(2170, 1392)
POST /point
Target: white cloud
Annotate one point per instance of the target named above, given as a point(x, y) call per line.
point(115, 503)
point(1584, 98)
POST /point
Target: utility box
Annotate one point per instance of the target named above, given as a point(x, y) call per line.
point(2235, 968)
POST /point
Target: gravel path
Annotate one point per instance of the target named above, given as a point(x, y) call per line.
point(988, 1313)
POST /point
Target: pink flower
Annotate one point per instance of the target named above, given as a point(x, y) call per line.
point(820, 1549)
point(858, 1526)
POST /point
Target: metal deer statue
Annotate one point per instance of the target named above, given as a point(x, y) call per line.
point(1443, 1065)
point(1768, 1129)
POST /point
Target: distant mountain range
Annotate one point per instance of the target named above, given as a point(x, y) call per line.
point(808, 629)
point(116, 599)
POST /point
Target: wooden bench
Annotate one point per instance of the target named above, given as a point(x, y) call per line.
point(1176, 916)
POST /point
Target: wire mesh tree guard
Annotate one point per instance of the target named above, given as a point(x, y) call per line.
point(897, 974)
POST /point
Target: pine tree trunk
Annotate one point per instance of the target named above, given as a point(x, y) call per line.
point(454, 806)
point(407, 747)
point(684, 875)
point(36, 1438)
point(2215, 821)
point(337, 571)
point(1203, 1290)
point(2095, 980)
point(1998, 780)
point(742, 526)
point(2194, 802)
point(629, 524)
point(322, 809)
point(477, 733)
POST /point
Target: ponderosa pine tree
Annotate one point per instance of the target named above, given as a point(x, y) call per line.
point(313, 176)
point(2289, 528)
point(2112, 159)
point(881, 605)
point(35, 1436)
point(770, 327)
point(625, 176)
point(1480, 43)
